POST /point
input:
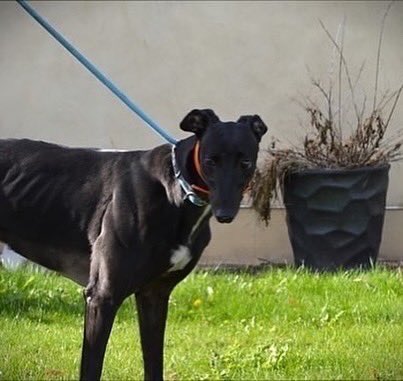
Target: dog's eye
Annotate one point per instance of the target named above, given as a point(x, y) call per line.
point(246, 164)
point(210, 162)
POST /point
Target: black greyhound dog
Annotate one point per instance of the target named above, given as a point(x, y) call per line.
point(123, 223)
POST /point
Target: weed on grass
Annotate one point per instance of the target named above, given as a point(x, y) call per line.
point(278, 324)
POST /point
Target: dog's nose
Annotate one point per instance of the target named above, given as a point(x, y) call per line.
point(224, 219)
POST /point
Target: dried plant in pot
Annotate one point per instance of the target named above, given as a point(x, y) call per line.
point(333, 186)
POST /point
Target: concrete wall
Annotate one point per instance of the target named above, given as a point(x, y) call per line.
point(171, 57)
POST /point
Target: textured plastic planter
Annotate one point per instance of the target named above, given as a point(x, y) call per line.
point(335, 217)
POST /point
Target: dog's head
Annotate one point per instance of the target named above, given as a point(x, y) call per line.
point(228, 154)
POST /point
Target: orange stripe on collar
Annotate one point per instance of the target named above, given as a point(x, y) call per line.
point(197, 165)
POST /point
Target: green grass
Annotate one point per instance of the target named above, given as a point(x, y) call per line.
point(279, 324)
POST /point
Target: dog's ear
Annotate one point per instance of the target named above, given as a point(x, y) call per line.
point(255, 123)
point(198, 120)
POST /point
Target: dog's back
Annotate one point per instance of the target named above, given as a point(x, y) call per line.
point(50, 182)
point(53, 196)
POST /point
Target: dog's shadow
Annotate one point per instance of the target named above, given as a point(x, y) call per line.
point(28, 295)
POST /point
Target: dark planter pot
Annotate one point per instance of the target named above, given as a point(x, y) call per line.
point(335, 217)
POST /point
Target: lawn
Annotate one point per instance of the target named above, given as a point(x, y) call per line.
point(278, 324)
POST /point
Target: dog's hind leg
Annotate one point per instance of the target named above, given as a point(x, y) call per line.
point(152, 307)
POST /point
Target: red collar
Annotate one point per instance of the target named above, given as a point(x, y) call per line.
point(202, 188)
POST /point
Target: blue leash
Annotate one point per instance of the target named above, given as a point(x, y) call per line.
point(97, 73)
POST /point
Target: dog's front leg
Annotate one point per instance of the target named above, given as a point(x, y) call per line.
point(152, 307)
point(103, 297)
point(100, 312)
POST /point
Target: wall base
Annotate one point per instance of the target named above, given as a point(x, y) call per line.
point(247, 241)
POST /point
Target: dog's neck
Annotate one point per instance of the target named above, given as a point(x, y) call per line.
point(159, 162)
point(188, 162)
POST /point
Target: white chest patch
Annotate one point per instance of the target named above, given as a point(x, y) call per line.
point(180, 257)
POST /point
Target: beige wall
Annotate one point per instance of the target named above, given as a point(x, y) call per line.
point(170, 57)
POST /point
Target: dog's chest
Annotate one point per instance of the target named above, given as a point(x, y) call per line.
point(181, 255)
point(180, 258)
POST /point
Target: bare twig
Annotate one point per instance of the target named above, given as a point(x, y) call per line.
point(334, 53)
point(397, 136)
point(345, 69)
point(340, 71)
point(359, 74)
point(378, 55)
point(393, 107)
point(327, 95)
point(387, 99)
point(347, 99)
point(384, 97)
point(340, 30)
point(363, 107)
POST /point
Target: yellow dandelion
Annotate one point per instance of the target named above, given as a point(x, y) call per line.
point(197, 303)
